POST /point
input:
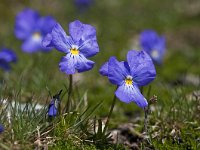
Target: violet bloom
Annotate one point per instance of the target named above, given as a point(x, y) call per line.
point(30, 27)
point(6, 57)
point(80, 45)
point(138, 71)
point(53, 108)
point(83, 4)
point(153, 44)
point(54, 105)
point(1, 128)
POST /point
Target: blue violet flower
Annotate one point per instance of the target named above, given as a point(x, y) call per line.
point(6, 57)
point(31, 28)
point(53, 108)
point(54, 105)
point(1, 128)
point(138, 71)
point(83, 4)
point(153, 44)
point(80, 45)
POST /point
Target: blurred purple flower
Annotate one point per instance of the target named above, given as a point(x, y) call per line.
point(83, 4)
point(6, 57)
point(54, 105)
point(31, 28)
point(53, 108)
point(138, 71)
point(153, 44)
point(1, 128)
point(80, 45)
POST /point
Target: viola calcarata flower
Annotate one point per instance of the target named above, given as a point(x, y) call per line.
point(80, 45)
point(82, 5)
point(1, 128)
point(54, 105)
point(153, 44)
point(31, 28)
point(53, 108)
point(129, 75)
point(7, 56)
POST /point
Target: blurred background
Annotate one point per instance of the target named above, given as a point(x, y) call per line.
point(118, 24)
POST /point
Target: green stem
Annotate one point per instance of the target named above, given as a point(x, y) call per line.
point(110, 113)
point(69, 93)
point(146, 119)
point(147, 110)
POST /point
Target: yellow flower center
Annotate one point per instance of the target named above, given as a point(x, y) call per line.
point(154, 54)
point(129, 80)
point(37, 36)
point(74, 51)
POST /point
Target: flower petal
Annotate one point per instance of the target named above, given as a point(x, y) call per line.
point(8, 55)
point(80, 31)
point(47, 41)
point(46, 24)
point(67, 64)
point(153, 45)
point(58, 39)
point(83, 3)
point(160, 48)
point(31, 45)
point(5, 65)
point(89, 47)
point(127, 94)
point(117, 71)
point(84, 35)
point(104, 69)
point(70, 63)
point(148, 39)
point(141, 67)
point(25, 23)
point(1, 128)
point(52, 111)
point(83, 64)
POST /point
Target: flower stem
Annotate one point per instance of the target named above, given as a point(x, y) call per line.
point(110, 113)
point(69, 93)
point(146, 112)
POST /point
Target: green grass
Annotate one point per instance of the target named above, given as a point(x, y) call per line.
point(174, 121)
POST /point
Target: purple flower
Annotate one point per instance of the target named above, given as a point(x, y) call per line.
point(54, 105)
point(138, 71)
point(1, 128)
point(80, 45)
point(53, 108)
point(83, 4)
point(153, 44)
point(6, 57)
point(31, 28)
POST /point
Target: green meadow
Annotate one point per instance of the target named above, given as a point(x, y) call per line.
point(173, 121)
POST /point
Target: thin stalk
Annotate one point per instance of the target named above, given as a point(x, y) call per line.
point(146, 112)
point(151, 101)
point(146, 134)
point(110, 113)
point(69, 93)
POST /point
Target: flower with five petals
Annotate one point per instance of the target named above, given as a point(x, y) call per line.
point(153, 44)
point(80, 45)
point(129, 75)
point(31, 28)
